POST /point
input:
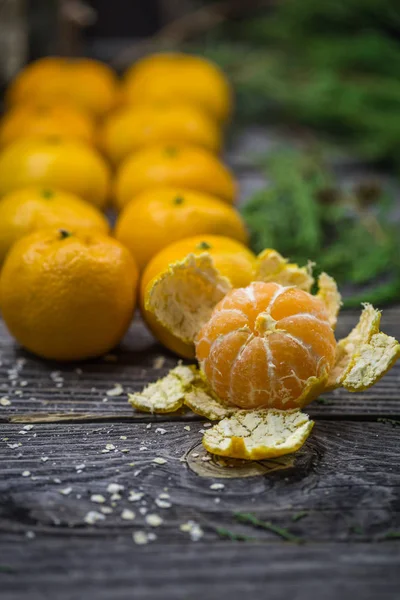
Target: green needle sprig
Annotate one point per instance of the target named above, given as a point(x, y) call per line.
point(306, 215)
point(253, 520)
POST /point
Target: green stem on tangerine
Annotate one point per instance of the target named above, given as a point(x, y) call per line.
point(64, 234)
point(203, 246)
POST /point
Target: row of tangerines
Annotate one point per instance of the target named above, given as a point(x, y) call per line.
point(68, 291)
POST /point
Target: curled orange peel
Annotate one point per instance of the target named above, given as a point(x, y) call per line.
point(203, 402)
point(330, 296)
point(167, 394)
point(271, 266)
point(365, 355)
point(183, 297)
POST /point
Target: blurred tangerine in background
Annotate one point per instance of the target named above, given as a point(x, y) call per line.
point(176, 76)
point(172, 164)
point(89, 84)
point(29, 209)
point(133, 128)
point(69, 165)
point(46, 120)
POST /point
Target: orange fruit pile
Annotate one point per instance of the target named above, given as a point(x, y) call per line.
point(75, 140)
point(265, 344)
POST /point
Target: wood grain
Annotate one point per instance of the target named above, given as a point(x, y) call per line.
point(71, 569)
point(42, 390)
point(347, 476)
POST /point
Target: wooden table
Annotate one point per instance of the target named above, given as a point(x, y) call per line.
point(66, 534)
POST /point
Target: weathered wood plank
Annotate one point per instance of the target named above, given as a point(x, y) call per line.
point(68, 569)
point(346, 479)
point(42, 388)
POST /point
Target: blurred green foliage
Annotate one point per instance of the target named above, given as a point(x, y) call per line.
point(331, 65)
point(305, 215)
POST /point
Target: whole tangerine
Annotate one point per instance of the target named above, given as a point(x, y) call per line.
point(163, 165)
point(132, 128)
point(68, 295)
point(68, 165)
point(157, 218)
point(45, 120)
point(29, 209)
point(86, 83)
point(166, 76)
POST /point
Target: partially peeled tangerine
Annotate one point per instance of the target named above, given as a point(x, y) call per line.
point(262, 424)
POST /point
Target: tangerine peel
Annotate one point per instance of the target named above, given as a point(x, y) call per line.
point(329, 294)
point(272, 266)
point(365, 355)
point(257, 435)
point(167, 394)
point(183, 297)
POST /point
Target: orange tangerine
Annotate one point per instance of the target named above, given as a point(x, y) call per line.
point(68, 295)
point(133, 128)
point(157, 218)
point(68, 165)
point(267, 346)
point(189, 167)
point(32, 208)
point(87, 83)
point(34, 75)
point(45, 120)
point(168, 76)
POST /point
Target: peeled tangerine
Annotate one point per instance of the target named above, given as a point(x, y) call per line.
point(265, 350)
point(267, 346)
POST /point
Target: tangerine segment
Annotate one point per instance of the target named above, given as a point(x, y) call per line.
point(267, 345)
point(183, 297)
point(226, 321)
point(223, 352)
point(292, 301)
point(251, 300)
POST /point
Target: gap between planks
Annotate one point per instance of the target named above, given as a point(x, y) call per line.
point(162, 418)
